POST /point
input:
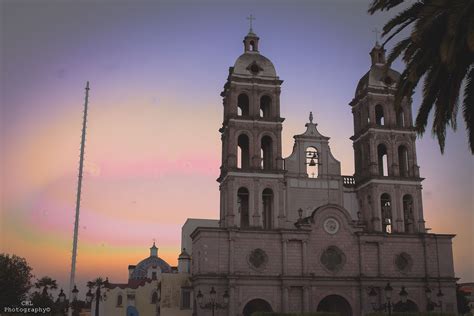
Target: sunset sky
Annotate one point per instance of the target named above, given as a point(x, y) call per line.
point(156, 69)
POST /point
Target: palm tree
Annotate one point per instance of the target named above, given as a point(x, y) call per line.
point(42, 297)
point(440, 48)
point(46, 283)
point(97, 283)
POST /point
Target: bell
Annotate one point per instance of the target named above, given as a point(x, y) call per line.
point(312, 163)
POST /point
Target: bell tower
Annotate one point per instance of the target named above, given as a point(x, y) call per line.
point(387, 177)
point(251, 178)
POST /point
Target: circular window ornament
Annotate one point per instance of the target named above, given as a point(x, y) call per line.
point(331, 225)
point(388, 81)
point(333, 259)
point(403, 262)
point(258, 259)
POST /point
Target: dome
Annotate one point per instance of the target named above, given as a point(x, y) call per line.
point(378, 77)
point(152, 262)
point(253, 63)
point(141, 270)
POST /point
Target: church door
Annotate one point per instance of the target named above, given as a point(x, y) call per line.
point(257, 305)
point(335, 304)
point(132, 311)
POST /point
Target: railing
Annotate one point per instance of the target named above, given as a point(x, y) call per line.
point(348, 181)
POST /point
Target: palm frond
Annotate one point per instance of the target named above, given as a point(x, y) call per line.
point(397, 50)
point(404, 18)
point(381, 5)
point(430, 94)
point(468, 108)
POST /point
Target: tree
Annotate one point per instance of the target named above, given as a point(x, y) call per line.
point(46, 283)
point(440, 48)
point(462, 301)
point(97, 283)
point(15, 276)
point(42, 297)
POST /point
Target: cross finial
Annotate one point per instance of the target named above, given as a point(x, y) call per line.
point(311, 117)
point(251, 18)
point(377, 33)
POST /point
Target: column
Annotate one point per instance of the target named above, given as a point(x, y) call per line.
point(284, 243)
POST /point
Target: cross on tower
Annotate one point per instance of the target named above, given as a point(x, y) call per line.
point(251, 18)
point(377, 32)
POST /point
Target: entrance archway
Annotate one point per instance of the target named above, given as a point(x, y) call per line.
point(407, 307)
point(335, 304)
point(257, 305)
point(132, 311)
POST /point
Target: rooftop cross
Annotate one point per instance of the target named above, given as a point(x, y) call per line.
point(251, 18)
point(377, 33)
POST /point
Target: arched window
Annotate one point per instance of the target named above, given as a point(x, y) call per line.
point(119, 300)
point(382, 160)
point(265, 106)
point(267, 199)
point(243, 206)
point(403, 161)
point(400, 118)
point(267, 152)
point(357, 122)
point(243, 154)
point(243, 105)
point(154, 298)
point(252, 46)
point(379, 117)
point(386, 208)
point(408, 217)
point(312, 162)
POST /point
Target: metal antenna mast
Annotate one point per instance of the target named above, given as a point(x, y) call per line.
point(78, 200)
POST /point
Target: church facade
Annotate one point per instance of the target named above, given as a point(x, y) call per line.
point(294, 235)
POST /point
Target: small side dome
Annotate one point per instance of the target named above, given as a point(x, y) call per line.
point(152, 262)
point(184, 255)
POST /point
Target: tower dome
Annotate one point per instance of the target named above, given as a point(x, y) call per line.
point(378, 77)
point(251, 62)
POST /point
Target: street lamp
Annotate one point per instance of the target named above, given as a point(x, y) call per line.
point(65, 305)
point(89, 296)
point(212, 304)
point(432, 305)
point(62, 297)
point(74, 293)
point(388, 291)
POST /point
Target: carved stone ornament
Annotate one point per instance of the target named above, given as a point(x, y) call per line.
point(403, 262)
point(331, 225)
point(333, 259)
point(258, 259)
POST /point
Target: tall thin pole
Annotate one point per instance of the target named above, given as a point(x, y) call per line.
point(78, 200)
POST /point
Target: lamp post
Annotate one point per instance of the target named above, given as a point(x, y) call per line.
point(430, 306)
point(65, 305)
point(62, 301)
point(212, 304)
point(387, 306)
point(89, 297)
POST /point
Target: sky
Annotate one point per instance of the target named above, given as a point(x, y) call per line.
point(156, 69)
